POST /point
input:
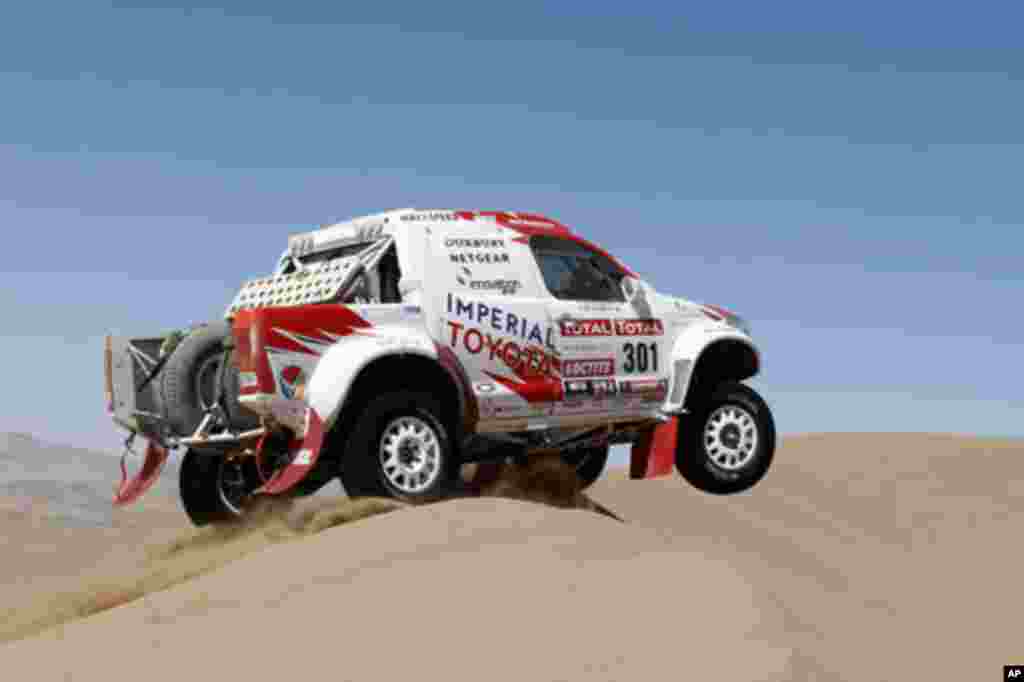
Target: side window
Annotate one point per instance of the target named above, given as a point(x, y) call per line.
point(390, 275)
point(575, 273)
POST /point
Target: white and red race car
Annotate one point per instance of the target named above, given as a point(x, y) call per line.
point(390, 349)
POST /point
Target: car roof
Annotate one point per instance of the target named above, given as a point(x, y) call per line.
point(370, 227)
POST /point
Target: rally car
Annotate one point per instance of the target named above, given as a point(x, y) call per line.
point(392, 349)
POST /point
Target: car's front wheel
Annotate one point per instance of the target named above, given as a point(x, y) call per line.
point(727, 442)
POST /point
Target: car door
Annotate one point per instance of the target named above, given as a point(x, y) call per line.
point(492, 315)
point(612, 354)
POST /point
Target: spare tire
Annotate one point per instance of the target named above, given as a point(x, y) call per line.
point(190, 379)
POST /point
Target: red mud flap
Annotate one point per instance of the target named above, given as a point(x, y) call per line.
point(307, 452)
point(130, 490)
point(654, 453)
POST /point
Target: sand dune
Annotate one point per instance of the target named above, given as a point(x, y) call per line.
point(860, 557)
point(890, 556)
point(101, 568)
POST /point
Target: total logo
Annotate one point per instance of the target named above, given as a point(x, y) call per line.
point(605, 327)
point(293, 382)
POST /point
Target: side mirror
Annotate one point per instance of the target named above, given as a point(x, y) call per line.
point(632, 289)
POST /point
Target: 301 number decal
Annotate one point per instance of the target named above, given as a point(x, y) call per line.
point(640, 357)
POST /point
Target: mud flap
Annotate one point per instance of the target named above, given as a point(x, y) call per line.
point(307, 452)
point(132, 489)
point(654, 454)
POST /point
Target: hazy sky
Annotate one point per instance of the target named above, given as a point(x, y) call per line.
point(847, 176)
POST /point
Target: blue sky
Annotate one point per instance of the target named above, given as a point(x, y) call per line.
point(847, 177)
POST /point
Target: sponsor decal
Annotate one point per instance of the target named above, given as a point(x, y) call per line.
point(606, 327)
point(475, 243)
point(646, 389)
point(465, 251)
point(508, 287)
point(588, 367)
point(645, 327)
point(248, 380)
point(411, 310)
point(429, 215)
point(523, 359)
point(507, 339)
point(591, 388)
point(293, 382)
point(586, 348)
point(388, 339)
point(586, 328)
point(575, 389)
point(496, 318)
point(477, 258)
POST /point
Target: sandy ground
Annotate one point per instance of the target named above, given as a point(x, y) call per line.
point(860, 557)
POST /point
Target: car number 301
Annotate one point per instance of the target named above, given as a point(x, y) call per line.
point(640, 357)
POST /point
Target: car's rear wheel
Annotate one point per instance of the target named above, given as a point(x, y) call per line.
point(588, 463)
point(727, 443)
point(214, 488)
point(399, 447)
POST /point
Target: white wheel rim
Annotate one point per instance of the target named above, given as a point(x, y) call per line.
point(410, 454)
point(730, 437)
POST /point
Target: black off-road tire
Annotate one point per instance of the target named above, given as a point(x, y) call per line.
point(707, 460)
point(362, 471)
point(589, 464)
point(191, 374)
point(200, 487)
point(240, 417)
